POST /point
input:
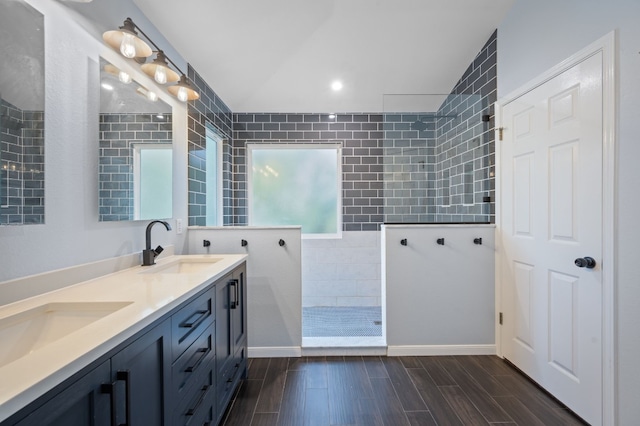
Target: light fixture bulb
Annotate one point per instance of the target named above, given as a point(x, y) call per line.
point(336, 85)
point(183, 95)
point(107, 86)
point(128, 45)
point(124, 77)
point(152, 96)
point(160, 75)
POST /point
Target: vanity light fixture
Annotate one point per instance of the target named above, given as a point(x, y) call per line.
point(126, 40)
point(183, 90)
point(159, 70)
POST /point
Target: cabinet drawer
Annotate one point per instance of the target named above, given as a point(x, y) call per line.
point(228, 378)
point(193, 361)
point(199, 404)
point(190, 321)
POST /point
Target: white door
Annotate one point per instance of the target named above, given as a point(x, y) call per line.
point(551, 211)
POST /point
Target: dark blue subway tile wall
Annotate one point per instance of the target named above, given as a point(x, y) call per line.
point(409, 167)
point(466, 143)
point(208, 112)
point(117, 134)
point(21, 165)
point(361, 136)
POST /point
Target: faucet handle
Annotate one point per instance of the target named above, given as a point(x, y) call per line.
point(158, 250)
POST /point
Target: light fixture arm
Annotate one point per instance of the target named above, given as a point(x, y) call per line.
point(130, 21)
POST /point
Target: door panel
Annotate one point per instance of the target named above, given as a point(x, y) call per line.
point(551, 168)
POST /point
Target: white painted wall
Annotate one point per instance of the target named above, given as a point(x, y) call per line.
point(72, 234)
point(342, 272)
point(439, 298)
point(274, 295)
point(534, 36)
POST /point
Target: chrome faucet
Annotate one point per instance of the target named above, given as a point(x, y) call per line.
point(149, 254)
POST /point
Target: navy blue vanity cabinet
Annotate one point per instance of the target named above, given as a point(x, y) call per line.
point(130, 387)
point(180, 370)
point(142, 376)
point(85, 402)
point(231, 334)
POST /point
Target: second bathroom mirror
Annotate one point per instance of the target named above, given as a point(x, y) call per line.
point(136, 152)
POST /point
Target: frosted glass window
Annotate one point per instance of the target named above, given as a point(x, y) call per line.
point(153, 181)
point(296, 185)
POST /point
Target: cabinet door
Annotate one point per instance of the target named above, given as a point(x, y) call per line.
point(224, 348)
point(81, 404)
point(238, 305)
point(142, 373)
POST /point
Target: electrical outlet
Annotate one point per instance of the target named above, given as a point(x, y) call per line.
point(178, 226)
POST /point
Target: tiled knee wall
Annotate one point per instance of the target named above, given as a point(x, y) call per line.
point(21, 165)
point(117, 134)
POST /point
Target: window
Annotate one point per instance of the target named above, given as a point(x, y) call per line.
point(296, 185)
point(152, 184)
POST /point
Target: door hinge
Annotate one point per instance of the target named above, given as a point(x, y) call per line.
point(500, 132)
point(500, 318)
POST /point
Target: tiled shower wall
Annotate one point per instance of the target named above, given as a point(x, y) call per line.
point(465, 148)
point(118, 132)
point(361, 136)
point(21, 165)
point(208, 112)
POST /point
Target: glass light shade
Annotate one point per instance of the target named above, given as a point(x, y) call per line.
point(160, 75)
point(183, 96)
point(124, 77)
point(127, 46)
point(152, 96)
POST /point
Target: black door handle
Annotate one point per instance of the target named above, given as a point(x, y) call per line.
point(585, 262)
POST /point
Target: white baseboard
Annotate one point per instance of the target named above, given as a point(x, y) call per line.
point(345, 351)
point(275, 352)
point(433, 350)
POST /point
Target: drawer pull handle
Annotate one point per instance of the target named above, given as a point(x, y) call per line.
point(205, 352)
point(201, 315)
point(126, 377)
point(235, 302)
point(110, 388)
point(192, 411)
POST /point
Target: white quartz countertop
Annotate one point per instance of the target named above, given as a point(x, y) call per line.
point(148, 296)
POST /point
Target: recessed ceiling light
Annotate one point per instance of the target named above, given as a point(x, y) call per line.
point(336, 85)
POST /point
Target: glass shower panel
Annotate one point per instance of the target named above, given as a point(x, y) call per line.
point(438, 154)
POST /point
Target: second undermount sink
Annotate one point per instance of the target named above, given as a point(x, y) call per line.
point(30, 330)
point(183, 266)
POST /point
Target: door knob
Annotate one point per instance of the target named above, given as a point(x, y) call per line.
point(585, 262)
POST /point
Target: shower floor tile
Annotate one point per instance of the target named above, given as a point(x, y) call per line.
point(341, 321)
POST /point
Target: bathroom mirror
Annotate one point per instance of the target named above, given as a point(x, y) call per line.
point(21, 114)
point(135, 163)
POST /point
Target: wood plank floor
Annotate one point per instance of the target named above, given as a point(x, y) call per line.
point(371, 391)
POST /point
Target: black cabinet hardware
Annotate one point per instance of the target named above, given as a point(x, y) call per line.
point(125, 376)
point(192, 411)
point(201, 315)
point(281, 243)
point(206, 243)
point(403, 241)
point(440, 241)
point(477, 241)
point(243, 243)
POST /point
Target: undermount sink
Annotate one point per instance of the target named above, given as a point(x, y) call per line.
point(30, 330)
point(182, 266)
